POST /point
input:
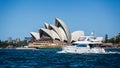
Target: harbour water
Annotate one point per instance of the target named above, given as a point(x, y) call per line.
point(49, 58)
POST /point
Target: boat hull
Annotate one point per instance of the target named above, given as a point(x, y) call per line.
point(74, 49)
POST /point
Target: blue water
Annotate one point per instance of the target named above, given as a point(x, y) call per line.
point(48, 58)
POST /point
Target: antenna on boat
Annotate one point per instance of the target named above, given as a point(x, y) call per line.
point(92, 33)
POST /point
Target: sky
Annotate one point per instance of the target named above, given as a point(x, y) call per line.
point(20, 17)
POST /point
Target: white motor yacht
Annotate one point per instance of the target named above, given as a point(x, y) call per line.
point(83, 47)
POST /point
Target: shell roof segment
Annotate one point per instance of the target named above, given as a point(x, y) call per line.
point(57, 31)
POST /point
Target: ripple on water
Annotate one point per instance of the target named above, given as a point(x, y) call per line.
point(48, 58)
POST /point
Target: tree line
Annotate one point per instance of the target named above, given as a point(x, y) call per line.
point(114, 40)
point(6, 44)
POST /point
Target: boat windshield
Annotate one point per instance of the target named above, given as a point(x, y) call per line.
point(94, 45)
point(80, 45)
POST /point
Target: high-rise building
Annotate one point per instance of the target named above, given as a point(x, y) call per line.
point(10, 40)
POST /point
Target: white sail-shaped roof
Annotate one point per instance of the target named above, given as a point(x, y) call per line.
point(59, 23)
point(76, 35)
point(35, 35)
point(46, 31)
point(63, 35)
point(57, 31)
point(55, 35)
point(51, 33)
point(46, 25)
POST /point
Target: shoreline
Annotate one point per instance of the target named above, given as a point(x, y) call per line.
point(22, 48)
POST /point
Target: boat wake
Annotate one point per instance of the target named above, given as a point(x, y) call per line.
point(110, 52)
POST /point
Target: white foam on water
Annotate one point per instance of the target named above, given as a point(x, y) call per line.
point(110, 52)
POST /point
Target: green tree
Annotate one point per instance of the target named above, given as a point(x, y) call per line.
point(106, 38)
point(117, 40)
point(21, 43)
point(3, 44)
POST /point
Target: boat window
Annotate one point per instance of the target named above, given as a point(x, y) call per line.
point(82, 38)
point(92, 45)
point(81, 45)
point(74, 44)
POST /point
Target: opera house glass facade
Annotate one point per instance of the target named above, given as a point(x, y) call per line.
point(54, 35)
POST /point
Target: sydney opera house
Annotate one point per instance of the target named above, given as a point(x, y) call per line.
point(54, 35)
